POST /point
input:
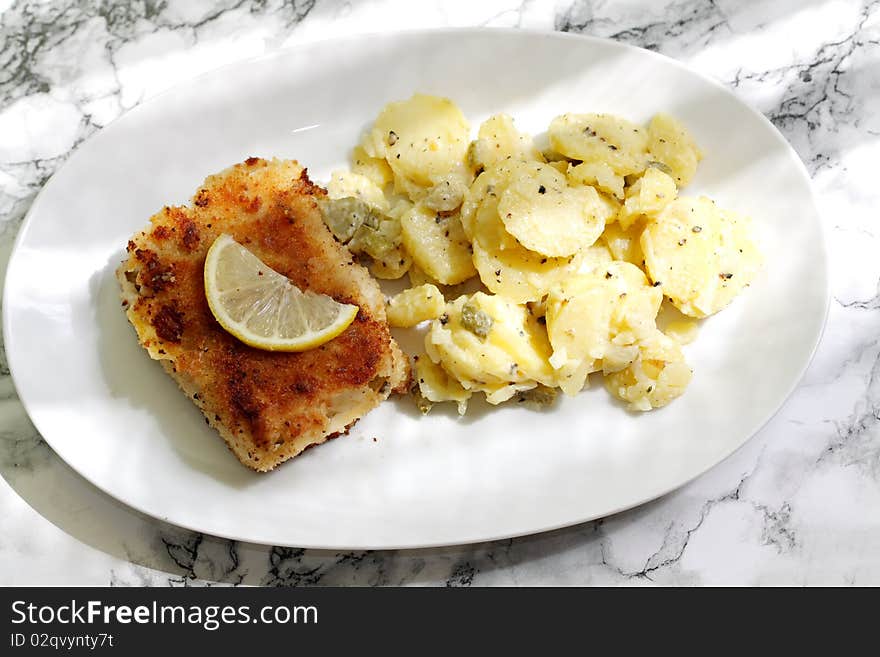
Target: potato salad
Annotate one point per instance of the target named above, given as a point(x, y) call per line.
point(570, 252)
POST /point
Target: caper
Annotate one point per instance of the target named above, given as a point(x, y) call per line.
point(475, 320)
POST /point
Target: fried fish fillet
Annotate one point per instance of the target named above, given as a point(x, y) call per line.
point(267, 406)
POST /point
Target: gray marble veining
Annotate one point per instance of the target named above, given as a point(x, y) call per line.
point(799, 504)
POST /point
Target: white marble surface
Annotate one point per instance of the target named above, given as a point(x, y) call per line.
point(799, 504)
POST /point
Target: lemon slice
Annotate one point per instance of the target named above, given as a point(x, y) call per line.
point(264, 309)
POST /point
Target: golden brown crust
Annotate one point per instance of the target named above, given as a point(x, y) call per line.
point(268, 406)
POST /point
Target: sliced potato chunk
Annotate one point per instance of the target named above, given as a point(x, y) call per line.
point(505, 266)
point(655, 378)
point(483, 186)
point(597, 174)
point(596, 320)
point(518, 274)
point(422, 138)
point(417, 277)
point(497, 140)
point(670, 143)
point(701, 255)
point(624, 244)
point(437, 245)
point(399, 207)
point(490, 344)
point(374, 168)
point(415, 305)
point(677, 325)
point(392, 264)
point(345, 184)
point(489, 186)
point(647, 197)
point(523, 276)
point(551, 218)
point(656, 191)
point(447, 193)
point(600, 138)
point(437, 386)
point(683, 331)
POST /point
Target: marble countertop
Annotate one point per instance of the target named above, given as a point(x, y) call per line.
point(799, 504)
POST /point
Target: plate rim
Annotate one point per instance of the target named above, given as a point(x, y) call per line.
point(24, 226)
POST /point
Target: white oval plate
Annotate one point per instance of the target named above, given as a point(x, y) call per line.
point(116, 418)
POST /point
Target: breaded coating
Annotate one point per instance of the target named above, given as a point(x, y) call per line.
point(268, 406)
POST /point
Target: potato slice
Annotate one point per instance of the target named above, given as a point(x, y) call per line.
point(408, 189)
point(630, 212)
point(505, 266)
point(374, 168)
point(417, 277)
point(447, 192)
point(399, 207)
point(669, 142)
point(549, 217)
point(597, 174)
point(348, 184)
point(519, 274)
point(415, 305)
point(437, 245)
point(683, 331)
point(701, 255)
point(392, 264)
point(498, 140)
point(656, 190)
point(655, 378)
point(523, 276)
point(608, 207)
point(491, 344)
point(490, 185)
point(596, 320)
point(483, 186)
point(647, 197)
point(676, 325)
point(600, 138)
point(437, 386)
point(423, 138)
point(624, 244)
